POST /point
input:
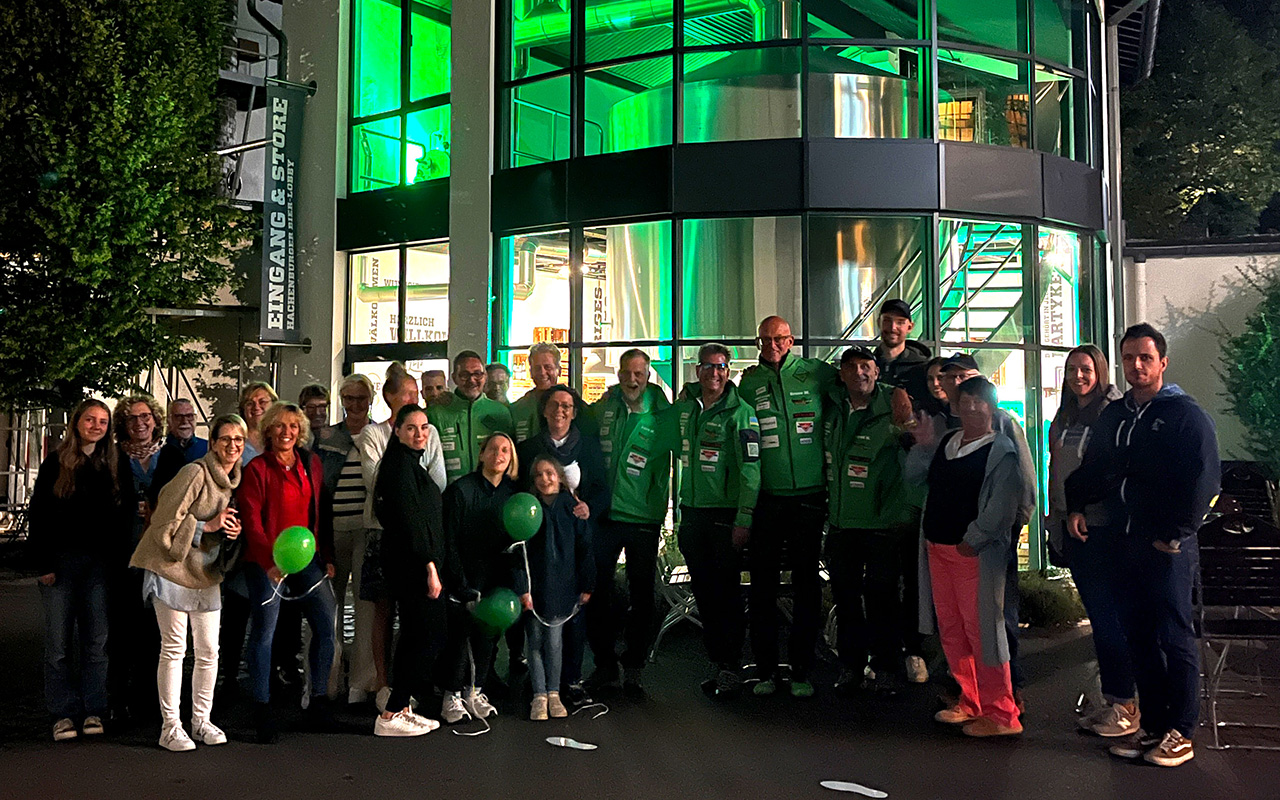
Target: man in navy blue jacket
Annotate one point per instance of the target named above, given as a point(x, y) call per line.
point(1154, 457)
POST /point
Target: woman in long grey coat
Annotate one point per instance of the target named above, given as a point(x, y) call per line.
point(975, 487)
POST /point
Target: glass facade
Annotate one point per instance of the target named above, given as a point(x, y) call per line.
point(401, 69)
point(399, 295)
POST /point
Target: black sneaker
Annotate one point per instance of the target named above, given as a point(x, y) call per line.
point(574, 696)
point(606, 677)
point(319, 714)
point(726, 685)
point(1135, 745)
point(264, 720)
point(632, 685)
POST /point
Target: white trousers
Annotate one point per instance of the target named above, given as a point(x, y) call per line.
point(173, 649)
point(349, 549)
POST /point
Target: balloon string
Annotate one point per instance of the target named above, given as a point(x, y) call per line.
point(472, 662)
point(276, 594)
point(555, 623)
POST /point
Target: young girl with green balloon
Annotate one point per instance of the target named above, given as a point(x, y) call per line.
point(554, 580)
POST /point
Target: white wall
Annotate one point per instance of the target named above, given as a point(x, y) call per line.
point(1195, 300)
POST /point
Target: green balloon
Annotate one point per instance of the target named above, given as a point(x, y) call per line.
point(498, 611)
point(522, 516)
point(294, 549)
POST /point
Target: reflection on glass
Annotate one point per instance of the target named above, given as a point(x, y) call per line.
point(375, 155)
point(994, 23)
point(539, 37)
point(427, 290)
point(430, 68)
point(981, 273)
point(376, 372)
point(1057, 23)
point(719, 22)
point(747, 94)
point(859, 19)
point(1059, 280)
point(736, 272)
point(539, 122)
point(600, 370)
point(626, 283)
point(1055, 114)
point(983, 99)
point(864, 92)
point(377, 57)
point(621, 28)
point(427, 154)
point(628, 107)
point(855, 264)
point(374, 297)
point(535, 289)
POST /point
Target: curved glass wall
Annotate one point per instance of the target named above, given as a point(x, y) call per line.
point(617, 75)
point(400, 81)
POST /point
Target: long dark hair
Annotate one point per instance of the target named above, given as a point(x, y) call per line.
point(71, 455)
point(1070, 411)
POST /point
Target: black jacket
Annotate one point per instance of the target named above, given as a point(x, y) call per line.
point(410, 508)
point(581, 447)
point(473, 523)
point(1157, 462)
point(94, 521)
point(560, 563)
point(907, 371)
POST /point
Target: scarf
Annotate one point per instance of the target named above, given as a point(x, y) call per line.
point(141, 451)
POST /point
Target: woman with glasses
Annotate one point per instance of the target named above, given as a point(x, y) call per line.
point(255, 398)
point(184, 553)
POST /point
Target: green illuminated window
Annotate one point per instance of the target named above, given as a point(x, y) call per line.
point(1058, 22)
point(1055, 113)
point(994, 23)
point(742, 94)
point(426, 309)
point(539, 37)
point(707, 22)
point(983, 99)
point(738, 271)
point(855, 264)
point(626, 283)
point(427, 154)
point(628, 106)
point(981, 281)
point(377, 57)
point(430, 69)
point(621, 28)
point(860, 19)
point(375, 155)
point(540, 129)
point(374, 298)
point(534, 288)
point(862, 92)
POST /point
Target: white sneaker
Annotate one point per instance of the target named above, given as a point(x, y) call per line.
point(205, 732)
point(400, 724)
point(479, 705)
point(917, 670)
point(452, 709)
point(64, 729)
point(425, 722)
point(174, 739)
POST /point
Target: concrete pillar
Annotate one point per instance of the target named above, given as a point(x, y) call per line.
point(318, 51)
point(471, 156)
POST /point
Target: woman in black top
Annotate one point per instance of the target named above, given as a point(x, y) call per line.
point(416, 566)
point(473, 522)
point(79, 524)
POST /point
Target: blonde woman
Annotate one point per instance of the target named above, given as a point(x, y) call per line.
point(255, 399)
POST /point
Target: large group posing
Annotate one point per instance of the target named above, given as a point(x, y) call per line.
point(898, 471)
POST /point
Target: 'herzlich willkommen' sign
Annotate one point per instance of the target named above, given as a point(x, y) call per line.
point(279, 309)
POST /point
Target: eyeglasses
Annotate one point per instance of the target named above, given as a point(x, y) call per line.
point(315, 408)
point(715, 366)
point(230, 440)
point(355, 398)
point(475, 376)
point(184, 417)
point(775, 339)
point(561, 406)
point(137, 419)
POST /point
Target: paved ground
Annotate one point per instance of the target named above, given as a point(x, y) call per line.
point(678, 743)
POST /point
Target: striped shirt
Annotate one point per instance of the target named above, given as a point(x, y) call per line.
point(348, 495)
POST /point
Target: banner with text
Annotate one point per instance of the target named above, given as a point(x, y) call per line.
point(279, 310)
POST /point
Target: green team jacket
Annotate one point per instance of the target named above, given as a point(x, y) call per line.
point(864, 463)
point(719, 453)
point(789, 404)
point(637, 453)
point(525, 417)
point(463, 426)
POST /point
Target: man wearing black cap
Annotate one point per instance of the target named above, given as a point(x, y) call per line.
point(866, 531)
point(956, 370)
point(900, 360)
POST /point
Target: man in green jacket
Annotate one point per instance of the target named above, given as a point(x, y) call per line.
point(629, 419)
point(464, 418)
point(720, 478)
point(867, 511)
point(544, 371)
point(787, 392)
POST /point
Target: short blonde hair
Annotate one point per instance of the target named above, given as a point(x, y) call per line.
point(513, 469)
point(250, 388)
point(356, 377)
point(122, 411)
point(273, 418)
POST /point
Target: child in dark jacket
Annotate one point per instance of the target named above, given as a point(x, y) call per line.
point(560, 577)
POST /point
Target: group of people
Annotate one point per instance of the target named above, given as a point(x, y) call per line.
point(900, 470)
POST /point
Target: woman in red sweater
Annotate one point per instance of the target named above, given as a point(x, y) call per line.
point(279, 489)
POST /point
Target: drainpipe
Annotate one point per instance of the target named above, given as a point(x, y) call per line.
point(526, 256)
point(1138, 283)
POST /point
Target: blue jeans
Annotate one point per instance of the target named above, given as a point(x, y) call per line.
point(1095, 570)
point(1154, 590)
point(546, 654)
point(318, 607)
point(78, 597)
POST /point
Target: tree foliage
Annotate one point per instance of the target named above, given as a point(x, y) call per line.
point(1250, 366)
point(108, 115)
point(1206, 120)
point(1220, 214)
